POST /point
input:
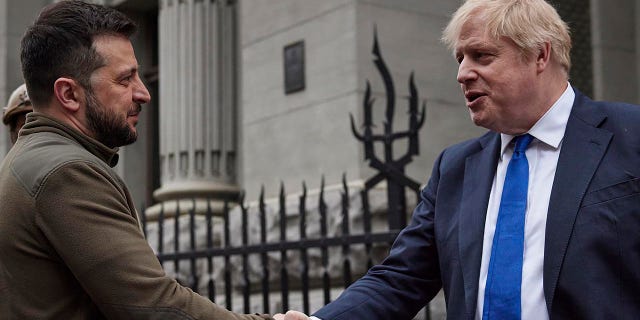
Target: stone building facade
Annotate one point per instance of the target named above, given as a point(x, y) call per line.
point(222, 121)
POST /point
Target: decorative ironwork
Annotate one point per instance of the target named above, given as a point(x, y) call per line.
point(390, 169)
point(218, 255)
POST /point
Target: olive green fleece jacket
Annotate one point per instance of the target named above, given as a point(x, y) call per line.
point(71, 246)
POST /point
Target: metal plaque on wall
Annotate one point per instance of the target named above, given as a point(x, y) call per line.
point(294, 67)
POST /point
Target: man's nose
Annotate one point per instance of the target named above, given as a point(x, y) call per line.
point(141, 94)
point(466, 72)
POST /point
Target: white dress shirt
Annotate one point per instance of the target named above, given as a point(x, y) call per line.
point(542, 155)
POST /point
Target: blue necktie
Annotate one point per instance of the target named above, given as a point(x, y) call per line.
point(504, 278)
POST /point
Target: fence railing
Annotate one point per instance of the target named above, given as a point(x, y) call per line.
point(255, 260)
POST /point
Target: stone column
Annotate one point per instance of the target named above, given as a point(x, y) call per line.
point(197, 92)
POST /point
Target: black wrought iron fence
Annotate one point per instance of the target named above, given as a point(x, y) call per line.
point(211, 250)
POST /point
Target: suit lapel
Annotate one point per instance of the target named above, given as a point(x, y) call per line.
point(480, 169)
point(583, 147)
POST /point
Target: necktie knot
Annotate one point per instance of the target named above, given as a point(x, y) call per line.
point(522, 143)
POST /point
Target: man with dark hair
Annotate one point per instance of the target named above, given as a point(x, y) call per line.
point(71, 245)
point(537, 219)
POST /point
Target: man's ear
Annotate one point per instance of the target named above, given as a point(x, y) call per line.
point(543, 56)
point(67, 92)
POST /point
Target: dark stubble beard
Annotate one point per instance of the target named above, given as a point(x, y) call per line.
point(109, 128)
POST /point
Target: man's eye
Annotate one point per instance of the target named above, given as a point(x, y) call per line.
point(483, 55)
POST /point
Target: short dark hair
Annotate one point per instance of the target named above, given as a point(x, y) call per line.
point(60, 44)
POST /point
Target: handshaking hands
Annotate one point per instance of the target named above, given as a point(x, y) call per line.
point(291, 315)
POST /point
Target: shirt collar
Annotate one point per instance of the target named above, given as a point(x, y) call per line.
point(550, 128)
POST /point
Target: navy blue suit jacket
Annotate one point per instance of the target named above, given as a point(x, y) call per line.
point(592, 244)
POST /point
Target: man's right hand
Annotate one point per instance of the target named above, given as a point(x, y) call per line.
point(291, 315)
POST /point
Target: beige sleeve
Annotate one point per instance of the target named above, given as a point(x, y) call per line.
point(84, 214)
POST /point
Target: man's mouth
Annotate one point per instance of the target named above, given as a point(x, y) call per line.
point(135, 111)
point(472, 96)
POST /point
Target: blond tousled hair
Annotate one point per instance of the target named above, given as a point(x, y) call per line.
point(528, 23)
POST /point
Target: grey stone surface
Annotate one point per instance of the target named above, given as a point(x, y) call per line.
point(615, 66)
point(304, 150)
point(262, 19)
point(434, 7)
point(295, 137)
point(614, 75)
point(338, 43)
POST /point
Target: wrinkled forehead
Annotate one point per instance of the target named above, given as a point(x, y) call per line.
point(474, 32)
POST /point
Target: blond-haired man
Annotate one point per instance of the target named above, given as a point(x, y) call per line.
point(543, 228)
